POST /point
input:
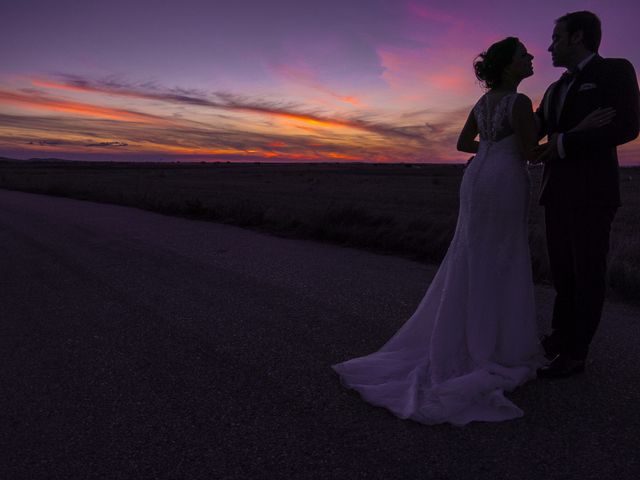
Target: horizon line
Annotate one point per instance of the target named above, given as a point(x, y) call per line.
point(265, 162)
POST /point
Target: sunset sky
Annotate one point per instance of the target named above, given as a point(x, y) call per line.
point(266, 80)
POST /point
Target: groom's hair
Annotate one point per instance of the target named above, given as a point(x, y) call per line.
point(589, 23)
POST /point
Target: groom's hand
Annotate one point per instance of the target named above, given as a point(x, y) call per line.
point(538, 153)
point(547, 151)
point(541, 153)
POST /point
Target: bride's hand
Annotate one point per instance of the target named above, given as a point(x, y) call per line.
point(598, 118)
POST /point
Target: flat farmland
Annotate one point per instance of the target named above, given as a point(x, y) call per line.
point(399, 209)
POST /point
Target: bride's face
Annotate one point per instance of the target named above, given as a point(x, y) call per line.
point(521, 66)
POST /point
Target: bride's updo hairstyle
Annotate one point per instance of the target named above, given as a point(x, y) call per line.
point(489, 65)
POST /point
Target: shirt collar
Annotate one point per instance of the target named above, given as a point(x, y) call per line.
point(582, 64)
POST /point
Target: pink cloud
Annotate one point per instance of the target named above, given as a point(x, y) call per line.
point(303, 75)
point(418, 74)
point(432, 14)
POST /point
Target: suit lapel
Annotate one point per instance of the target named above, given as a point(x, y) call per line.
point(548, 106)
point(551, 106)
point(573, 89)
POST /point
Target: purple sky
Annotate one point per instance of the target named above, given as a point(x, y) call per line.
point(355, 80)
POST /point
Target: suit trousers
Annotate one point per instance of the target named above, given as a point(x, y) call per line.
point(578, 243)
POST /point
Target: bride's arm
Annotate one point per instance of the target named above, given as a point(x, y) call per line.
point(525, 127)
point(466, 140)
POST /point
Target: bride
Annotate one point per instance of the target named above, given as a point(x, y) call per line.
point(474, 334)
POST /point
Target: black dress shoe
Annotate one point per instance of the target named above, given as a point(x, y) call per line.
point(552, 346)
point(562, 366)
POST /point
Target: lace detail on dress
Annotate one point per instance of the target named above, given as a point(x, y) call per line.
point(496, 125)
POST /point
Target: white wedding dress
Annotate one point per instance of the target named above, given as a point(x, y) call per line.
point(474, 334)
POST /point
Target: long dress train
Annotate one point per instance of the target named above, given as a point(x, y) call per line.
point(474, 334)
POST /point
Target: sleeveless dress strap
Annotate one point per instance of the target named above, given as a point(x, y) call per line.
point(511, 103)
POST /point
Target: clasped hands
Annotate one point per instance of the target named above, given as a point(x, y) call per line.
point(546, 152)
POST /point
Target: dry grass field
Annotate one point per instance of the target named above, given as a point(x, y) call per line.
point(399, 209)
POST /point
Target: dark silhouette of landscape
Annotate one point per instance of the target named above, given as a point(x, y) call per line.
point(399, 209)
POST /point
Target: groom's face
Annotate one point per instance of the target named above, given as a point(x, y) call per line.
point(562, 49)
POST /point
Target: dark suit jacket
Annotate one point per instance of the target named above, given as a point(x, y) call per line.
point(588, 175)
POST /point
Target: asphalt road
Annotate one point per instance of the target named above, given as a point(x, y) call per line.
point(135, 346)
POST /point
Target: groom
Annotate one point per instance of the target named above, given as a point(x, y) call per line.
point(580, 186)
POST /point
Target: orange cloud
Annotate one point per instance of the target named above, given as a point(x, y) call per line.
point(231, 105)
point(59, 105)
point(342, 156)
point(315, 121)
point(300, 135)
